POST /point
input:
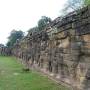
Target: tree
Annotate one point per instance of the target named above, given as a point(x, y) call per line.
point(14, 35)
point(73, 5)
point(1, 45)
point(43, 22)
point(34, 29)
point(87, 2)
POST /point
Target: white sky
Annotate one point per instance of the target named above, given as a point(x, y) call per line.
point(24, 14)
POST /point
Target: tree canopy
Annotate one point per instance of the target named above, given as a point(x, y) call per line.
point(34, 29)
point(73, 5)
point(43, 22)
point(14, 35)
point(87, 2)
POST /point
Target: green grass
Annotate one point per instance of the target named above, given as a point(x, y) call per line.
point(12, 77)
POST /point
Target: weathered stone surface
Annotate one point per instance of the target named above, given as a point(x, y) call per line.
point(5, 50)
point(62, 50)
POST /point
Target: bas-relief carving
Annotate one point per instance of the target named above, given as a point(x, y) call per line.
point(64, 54)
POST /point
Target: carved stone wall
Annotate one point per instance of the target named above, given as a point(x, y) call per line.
point(62, 50)
point(5, 51)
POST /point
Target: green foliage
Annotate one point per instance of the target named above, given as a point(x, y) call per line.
point(14, 35)
point(8, 43)
point(17, 35)
point(12, 77)
point(34, 29)
point(43, 22)
point(87, 2)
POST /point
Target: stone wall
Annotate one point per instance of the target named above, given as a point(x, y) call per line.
point(62, 50)
point(5, 51)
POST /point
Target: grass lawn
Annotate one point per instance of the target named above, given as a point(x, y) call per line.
point(12, 77)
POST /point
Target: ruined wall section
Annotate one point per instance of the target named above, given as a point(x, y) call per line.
point(5, 51)
point(62, 50)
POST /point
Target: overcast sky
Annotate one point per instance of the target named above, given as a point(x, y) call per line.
point(24, 14)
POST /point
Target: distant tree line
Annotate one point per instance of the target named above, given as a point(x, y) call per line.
point(18, 35)
point(14, 35)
